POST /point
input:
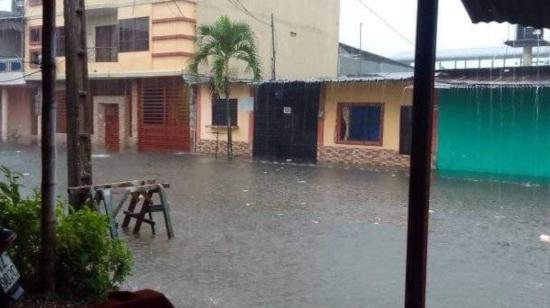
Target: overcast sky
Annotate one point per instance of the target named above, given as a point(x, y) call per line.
point(455, 27)
point(5, 5)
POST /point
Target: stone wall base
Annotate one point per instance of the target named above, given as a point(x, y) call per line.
point(362, 156)
point(240, 149)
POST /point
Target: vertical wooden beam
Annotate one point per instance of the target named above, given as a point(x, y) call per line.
point(419, 187)
point(79, 107)
point(48, 220)
point(4, 110)
point(198, 122)
point(321, 118)
point(273, 50)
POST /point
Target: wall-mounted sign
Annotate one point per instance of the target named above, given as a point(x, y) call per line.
point(287, 110)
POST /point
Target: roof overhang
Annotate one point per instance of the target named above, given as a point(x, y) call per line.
point(534, 13)
point(12, 79)
point(114, 75)
point(514, 77)
point(380, 77)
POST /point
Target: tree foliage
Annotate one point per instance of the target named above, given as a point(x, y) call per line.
point(219, 45)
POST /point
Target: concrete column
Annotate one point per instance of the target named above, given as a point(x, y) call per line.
point(4, 120)
point(527, 59)
point(135, 114)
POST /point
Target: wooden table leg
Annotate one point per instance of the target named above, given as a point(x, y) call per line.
point(166, 212)
point(131, 209)
point(147, 202)
point(107, 202)
point(121, 203)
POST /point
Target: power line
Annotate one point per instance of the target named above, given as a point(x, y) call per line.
point(240, 6)
point(177, 6)
point(386, 22)
point(29, 74)
point(22, 77)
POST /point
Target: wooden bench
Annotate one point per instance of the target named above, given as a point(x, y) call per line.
point(139, 193)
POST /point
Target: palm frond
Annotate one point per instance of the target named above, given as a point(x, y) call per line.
point(220, 43)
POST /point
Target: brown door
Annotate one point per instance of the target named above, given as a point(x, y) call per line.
point(164, 116)
point(112, 139)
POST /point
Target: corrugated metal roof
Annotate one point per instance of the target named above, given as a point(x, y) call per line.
point(408, 76)
point(203, 79)
point(501, 77)
point(535, 13)
point(114, 75)
point(476, 53)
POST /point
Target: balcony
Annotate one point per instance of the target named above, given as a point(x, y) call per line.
point(8, 65)
point(11, 71)
point(102, 54)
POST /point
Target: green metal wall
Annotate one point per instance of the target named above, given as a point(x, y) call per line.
point(496, 131)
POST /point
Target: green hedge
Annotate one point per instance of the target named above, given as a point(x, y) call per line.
point(89, 264)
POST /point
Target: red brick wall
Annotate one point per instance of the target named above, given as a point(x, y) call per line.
point(240, 149)
point(362, 156)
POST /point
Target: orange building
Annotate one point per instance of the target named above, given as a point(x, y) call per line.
point(359, 121)
point(137, 53)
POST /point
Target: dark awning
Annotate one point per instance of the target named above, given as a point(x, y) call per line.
point(534, 13)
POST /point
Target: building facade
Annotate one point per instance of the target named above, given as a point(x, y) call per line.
point(305, 34)
point(137, 53)
point(354, 121)
point(12, 83)
point(495, 122)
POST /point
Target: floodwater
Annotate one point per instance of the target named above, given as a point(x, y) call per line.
point(253, 234)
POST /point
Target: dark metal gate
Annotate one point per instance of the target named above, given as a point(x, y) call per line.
point(285, 122)
point(405, 130)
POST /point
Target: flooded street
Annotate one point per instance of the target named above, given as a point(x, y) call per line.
point(252, 234)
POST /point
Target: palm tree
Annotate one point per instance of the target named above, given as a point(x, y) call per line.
point(219, 45)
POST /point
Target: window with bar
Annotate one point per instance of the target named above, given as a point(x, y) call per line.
point(134, 34)
point(106, 44)
point(219, 109)
point(360, 123)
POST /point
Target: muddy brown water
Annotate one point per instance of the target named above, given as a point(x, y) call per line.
point(253, 234)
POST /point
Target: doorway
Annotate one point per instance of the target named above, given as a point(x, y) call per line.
point(285, 122)
point(112, 128)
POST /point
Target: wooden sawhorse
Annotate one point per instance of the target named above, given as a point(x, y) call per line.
point(140, 191)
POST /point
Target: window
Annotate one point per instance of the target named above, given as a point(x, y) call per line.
point(106, 44)
point(16, 66)
point(60, 42)
point(134, 34)
point(3, 67)
point(35, 35)
point(360, 123)
point(35, 58)
point(219, 107)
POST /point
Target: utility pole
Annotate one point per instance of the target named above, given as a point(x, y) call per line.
point(79, 111)
point(48, 123)
point(274, 56)
point(361, 36)
point(421, 154)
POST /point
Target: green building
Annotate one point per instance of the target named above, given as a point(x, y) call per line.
point(495, 122)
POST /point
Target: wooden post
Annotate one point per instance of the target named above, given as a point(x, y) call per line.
point(421, 152)
point(79, 109)
point(273, 50)
point(48, 220)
